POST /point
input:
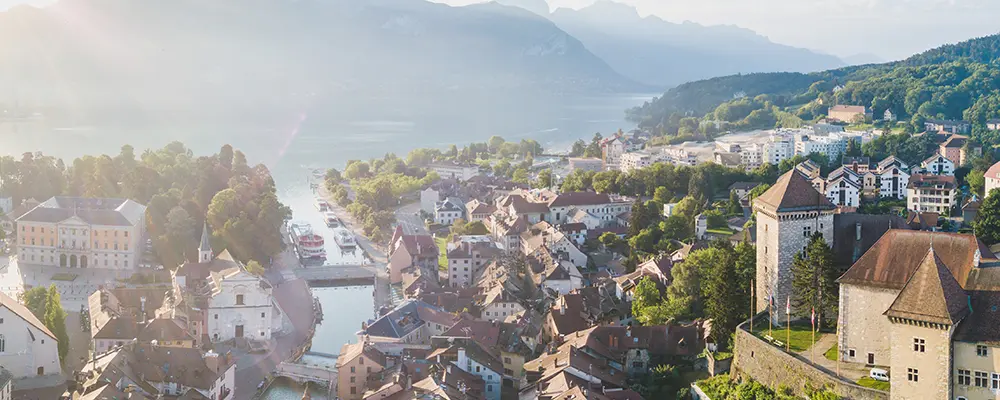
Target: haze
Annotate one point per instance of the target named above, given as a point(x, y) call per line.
point(845, 28)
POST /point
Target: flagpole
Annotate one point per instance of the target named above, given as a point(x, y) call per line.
point(788, 325)
point(770, 305)
point(752, 308)
point(838, 349)
point(813, 345)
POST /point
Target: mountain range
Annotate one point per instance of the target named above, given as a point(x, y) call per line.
point(654, 51)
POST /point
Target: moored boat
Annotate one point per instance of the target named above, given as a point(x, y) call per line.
point(309, 243)
point(322, 205)
point(344, 238)
point(331, 219)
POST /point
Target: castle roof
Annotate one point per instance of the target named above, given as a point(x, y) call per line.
point(931, 294)
point(792, 192)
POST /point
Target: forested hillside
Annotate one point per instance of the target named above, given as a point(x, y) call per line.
point(959, 81)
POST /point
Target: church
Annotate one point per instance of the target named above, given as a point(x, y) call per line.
point(235, 304)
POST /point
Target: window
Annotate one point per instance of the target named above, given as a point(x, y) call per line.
point(262, 315)
point(964, 377)
point(995, 381)
point(239, 299)
point(982, 379)
point(368, 370)
point(919, 345)
point(126, 233)
point(489, 388)
point(506, 360)
point(354, 390)
point(911, 375)
point(216, 316)
point(352, 370)
point(982, 351)
point(477, 368)
point(352, 379)
point(361, 361)
point(637, 364)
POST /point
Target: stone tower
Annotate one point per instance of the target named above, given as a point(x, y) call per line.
point(205, 247)
point(787, 215)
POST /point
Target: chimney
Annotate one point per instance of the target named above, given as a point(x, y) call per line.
point(611, 340)
point(212, 361)
point(857, 230)
point(562, 306)
point(628, 331)
point(142, 308)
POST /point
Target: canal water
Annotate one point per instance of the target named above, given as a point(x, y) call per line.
point(286, 389)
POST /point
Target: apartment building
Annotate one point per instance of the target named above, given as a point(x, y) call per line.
point(80, 232)
point(636, 160)
point(832, 146)
point(931, 193)
point(612, 149)
point(848, 114)
point(937, 165)
point(461, 172)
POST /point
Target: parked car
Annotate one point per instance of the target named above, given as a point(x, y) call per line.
point(879, 374)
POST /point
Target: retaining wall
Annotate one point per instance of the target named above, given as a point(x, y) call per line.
point(756, 359)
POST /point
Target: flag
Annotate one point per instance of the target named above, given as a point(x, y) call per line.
point(788, 306)
point(812, 318)
point(770, 300)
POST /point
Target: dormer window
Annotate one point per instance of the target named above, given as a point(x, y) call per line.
point(975, 258)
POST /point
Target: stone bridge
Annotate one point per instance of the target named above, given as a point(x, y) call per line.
point(312, 367)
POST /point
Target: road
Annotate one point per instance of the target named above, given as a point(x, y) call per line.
point(406, 216)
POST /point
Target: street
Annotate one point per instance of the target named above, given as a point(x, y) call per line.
point(406, 216)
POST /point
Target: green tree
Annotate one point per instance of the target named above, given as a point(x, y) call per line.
point(544, 179)
point(977, 181)
point(332, 175)
point(647, 306)
point(814, 281)
point(55, 320)
point(724, 303)
point(495, 142)
point(255, 268)
point(987, 224)
point(35, 299)
point(520, 176)
point(579, 147)
point(662, 195)
point(734, 204)
point(639, 219)
point(611, 241)
point(594, 148)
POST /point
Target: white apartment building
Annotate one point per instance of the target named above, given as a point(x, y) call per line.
point(636, 160)
point(461, 172)
point(612, 150)
point(27, 347)
point(447, 211)
point(778, 149)
point(832, 146)
point(752, 155)
point(931, 193)
point(937, 165)
point(680, 156)
point(842, 190)
point(892, 178)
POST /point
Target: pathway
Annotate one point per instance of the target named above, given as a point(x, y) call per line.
point(849, 371)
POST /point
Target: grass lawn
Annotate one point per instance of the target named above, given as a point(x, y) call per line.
point(800, 336)
point(63, 276)
point(871, 383)
point(832, 353)
point(720, 231)
point(443, 256)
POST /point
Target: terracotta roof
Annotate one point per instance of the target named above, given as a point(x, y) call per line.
point(195, 273)
point(993, 172)
point(931, 295)
point(892, 260)
point(792, 192)
point(21, 311)
point(922, 220)
point(580, 199)
point(486, 333)
point(928, 180)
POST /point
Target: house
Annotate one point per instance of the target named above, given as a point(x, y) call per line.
point(518, 204)
point(888, 116)
point(922, 221)
point(413, 322)
point(843, 187)
point(958, 149)
point(612, 149)
point(506, 231)
point(860, 165)
point(478, 211)
point(465, 259)
point(159, 372)
point(30, 349)
point(947, 125)
point(356, 362)
point(477, 361)
point(428, 199)
point(7, 219)
point(934, 193)
point(657, 269)
point(582, 309)
point(993, 124)
point(970, 210)
point(558, 275)
point(82, 232)
point(121, 315)
point(448, 210)
point(848, 114)
point(937, 165)
point(992, 177)
point(458, 171)
point(603, 207)
point(742, 189)
point(545, 235)
point(586, 164)
point(407, 251)
point(892, 178)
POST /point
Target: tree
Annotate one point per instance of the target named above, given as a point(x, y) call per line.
point(520, 176)
point(734, 204)
point(977, 181)
point(639, 219)
point(647, 306)
point(814, 280)
point(35, 299)
point(579, 147)
point(724, 304)
point(662, 195)
point(544, 179)
point(332, 175)
point(611, 241)
point(594, 148)
point(55, 320)
point(987, 224)
point(495, 142)
point(254, 268)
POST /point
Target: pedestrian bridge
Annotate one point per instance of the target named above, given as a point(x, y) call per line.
point(333, 275)
point(312, 367)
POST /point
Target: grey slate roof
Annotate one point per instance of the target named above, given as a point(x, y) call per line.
point(96, 211)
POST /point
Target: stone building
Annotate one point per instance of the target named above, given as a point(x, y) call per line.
point(787, 215)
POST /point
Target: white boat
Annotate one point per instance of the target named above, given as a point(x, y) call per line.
point(309, 243)
point(331, 219)
point(322, 205)
point(344, 238)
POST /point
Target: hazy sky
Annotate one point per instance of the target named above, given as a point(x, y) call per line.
point(889, 29)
